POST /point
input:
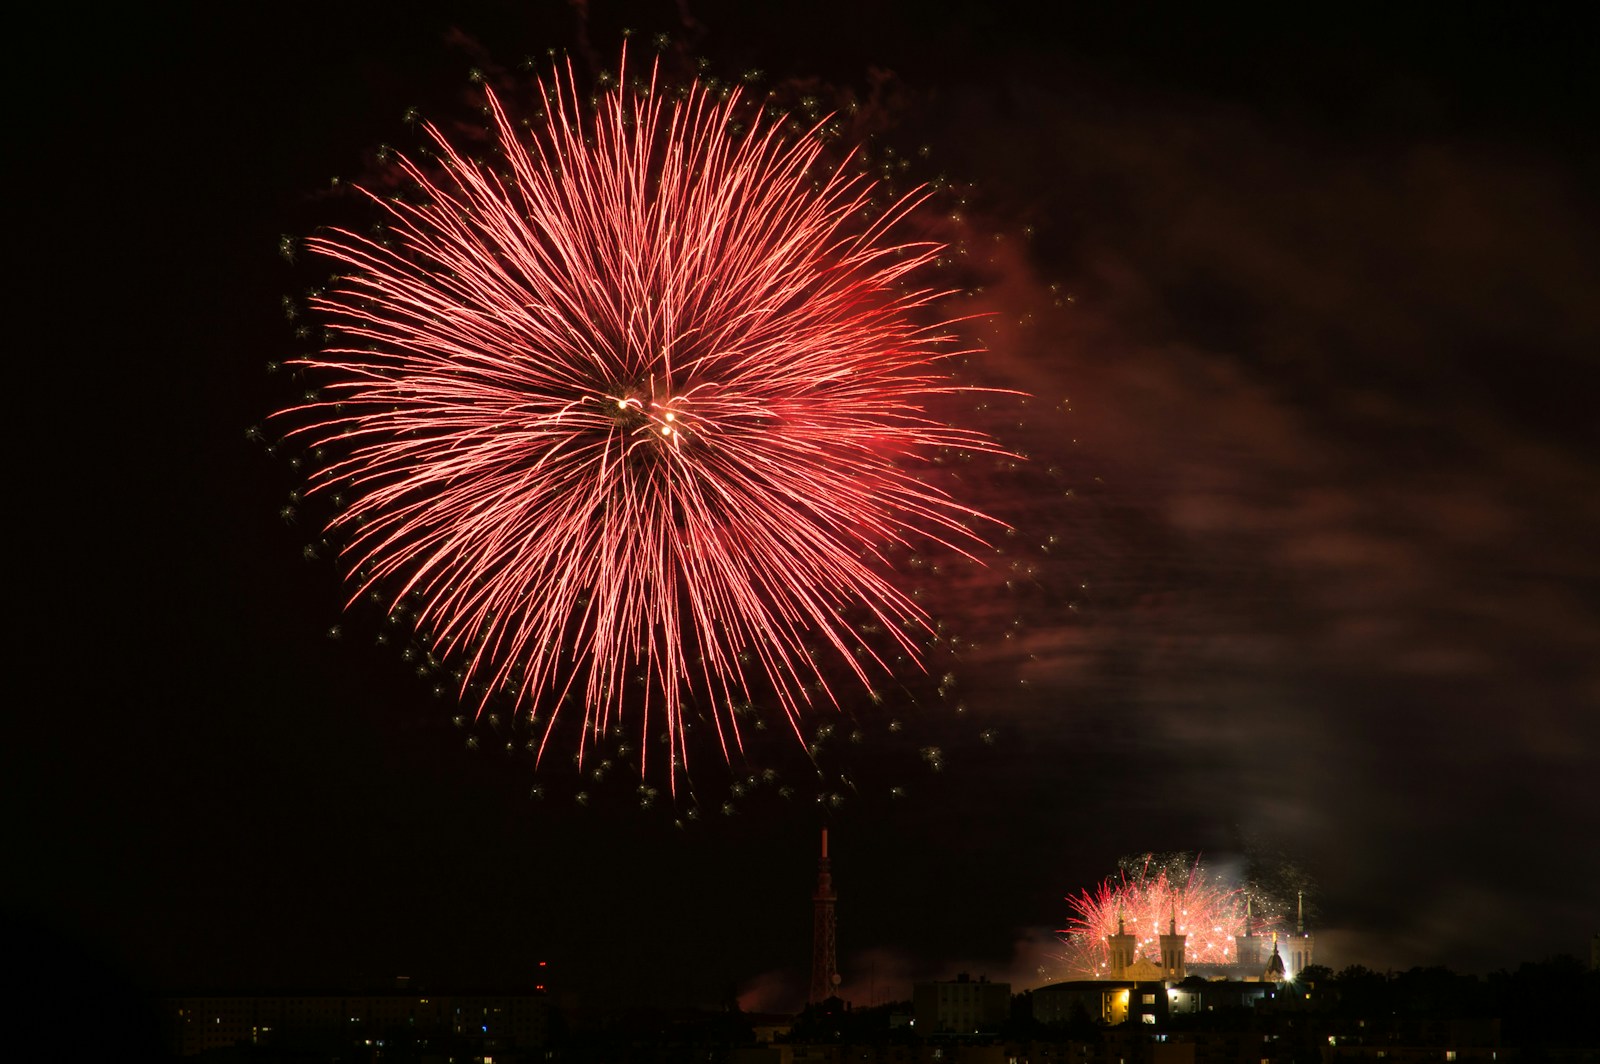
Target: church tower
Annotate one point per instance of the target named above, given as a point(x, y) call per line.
point(1172, 962)
point(1122, 946)
point(1247, 947)
point(1300, 945)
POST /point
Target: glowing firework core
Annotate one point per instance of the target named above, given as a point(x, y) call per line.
point(631, 412)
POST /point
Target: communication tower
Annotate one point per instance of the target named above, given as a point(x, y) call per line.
point(824, 958)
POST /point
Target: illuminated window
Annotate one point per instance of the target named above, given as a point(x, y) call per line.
point(1148, 999)
point(1148, 1018)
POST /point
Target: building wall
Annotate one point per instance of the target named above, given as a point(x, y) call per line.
point(961, 1005)
point(1101, 1001)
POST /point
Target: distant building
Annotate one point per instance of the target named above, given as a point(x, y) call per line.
point(1097, 1001)
point(768, 1027)
point(960, 1006)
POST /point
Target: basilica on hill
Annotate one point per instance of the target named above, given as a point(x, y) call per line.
point(1152, 990)
point(1257, 958)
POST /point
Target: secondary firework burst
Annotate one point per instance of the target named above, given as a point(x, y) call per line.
point(1145, 897)
point(630, 414)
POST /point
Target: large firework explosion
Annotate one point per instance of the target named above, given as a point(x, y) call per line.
point(1146, 897)
point(630, 416)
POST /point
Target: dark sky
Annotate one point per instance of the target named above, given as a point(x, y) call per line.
point(1308, 310)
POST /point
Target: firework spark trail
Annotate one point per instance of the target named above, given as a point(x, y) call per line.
point(650, 399)
point(1208, 911)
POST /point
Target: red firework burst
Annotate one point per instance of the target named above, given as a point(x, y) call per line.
point(1146, 901)
point(632, 413)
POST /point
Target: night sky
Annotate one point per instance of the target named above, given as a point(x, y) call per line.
point(1309, 309)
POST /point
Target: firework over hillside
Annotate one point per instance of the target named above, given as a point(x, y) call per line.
point(1145, 898)
point(628, 417)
